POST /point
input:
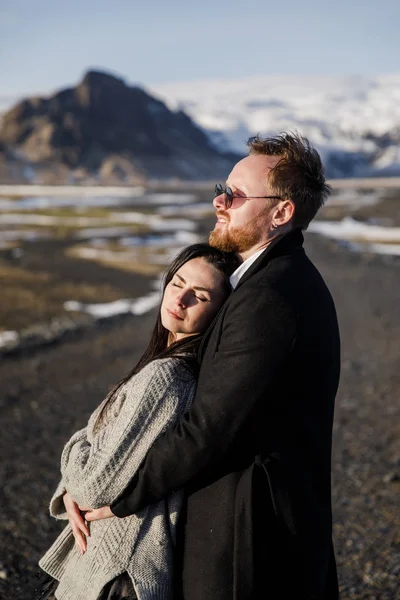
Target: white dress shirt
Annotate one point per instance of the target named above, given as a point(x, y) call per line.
point(241, 270)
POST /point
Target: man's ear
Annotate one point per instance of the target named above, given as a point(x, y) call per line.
point(283, 213)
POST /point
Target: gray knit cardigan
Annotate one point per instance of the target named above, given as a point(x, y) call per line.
point(96, 465)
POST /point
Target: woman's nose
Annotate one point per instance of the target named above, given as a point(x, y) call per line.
point(181, 299)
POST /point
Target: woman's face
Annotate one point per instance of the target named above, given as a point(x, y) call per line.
point(192, 298)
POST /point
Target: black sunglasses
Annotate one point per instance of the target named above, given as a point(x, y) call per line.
point(229, 195)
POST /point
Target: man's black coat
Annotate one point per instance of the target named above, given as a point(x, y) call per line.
point(254, 451)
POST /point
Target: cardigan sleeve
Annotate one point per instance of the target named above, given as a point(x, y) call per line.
point(57, 508)
point(257, 337)
point(95, 475)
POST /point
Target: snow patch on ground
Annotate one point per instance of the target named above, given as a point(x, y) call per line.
point(8, 337)
point(161, 241)
point(169, 245)
point(49, 221)
point(103, 232)
point(82, 202)
point(138, 306)
point(360, 237)
point(81, 191)
point(355, 198)
point(170, 198)
point(195, 210)
point(350, 229)
point(154, 222)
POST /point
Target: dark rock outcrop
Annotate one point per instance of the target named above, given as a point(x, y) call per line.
point(102, 122)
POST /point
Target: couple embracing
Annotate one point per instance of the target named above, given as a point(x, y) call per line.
point(205, 473)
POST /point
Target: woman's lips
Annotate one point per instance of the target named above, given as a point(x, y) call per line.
point(174, 315)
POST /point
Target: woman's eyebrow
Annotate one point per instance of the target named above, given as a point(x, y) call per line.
point(195, 287)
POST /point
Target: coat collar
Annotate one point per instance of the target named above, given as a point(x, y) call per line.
point(280, 247)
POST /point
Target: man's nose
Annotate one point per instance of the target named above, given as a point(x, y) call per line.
point(219, 201)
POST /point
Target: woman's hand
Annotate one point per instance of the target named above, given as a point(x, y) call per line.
point(77, 522)
point(99, 513)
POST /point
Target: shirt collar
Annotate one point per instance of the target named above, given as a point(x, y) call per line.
point(241, 270)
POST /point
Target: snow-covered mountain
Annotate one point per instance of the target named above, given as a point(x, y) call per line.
point(353, 120)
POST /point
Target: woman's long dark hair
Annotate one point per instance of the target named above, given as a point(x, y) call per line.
point(186, 348)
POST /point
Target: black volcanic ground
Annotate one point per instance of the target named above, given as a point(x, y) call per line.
point(47, 394)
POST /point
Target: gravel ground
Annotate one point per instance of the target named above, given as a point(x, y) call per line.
point(47, 394)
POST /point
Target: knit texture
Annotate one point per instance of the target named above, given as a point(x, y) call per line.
point(96, 465)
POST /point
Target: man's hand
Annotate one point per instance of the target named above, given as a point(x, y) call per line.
point(99, 513)
point(77, 522)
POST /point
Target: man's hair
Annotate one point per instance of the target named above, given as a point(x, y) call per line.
point(298, 176)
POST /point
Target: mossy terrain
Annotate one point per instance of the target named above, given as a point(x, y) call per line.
point(387, 211)
point(36, 284)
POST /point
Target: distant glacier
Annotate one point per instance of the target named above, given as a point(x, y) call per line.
point(353, 120)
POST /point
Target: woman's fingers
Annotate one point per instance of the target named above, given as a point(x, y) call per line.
point(68, 501)
point(80, 539)
point(74, 514)
point(77, 522)
point(99, 513)
point(80, 523)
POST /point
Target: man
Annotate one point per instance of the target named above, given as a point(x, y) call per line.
point(254, 451)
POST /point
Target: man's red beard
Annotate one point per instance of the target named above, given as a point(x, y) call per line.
point(237, 239)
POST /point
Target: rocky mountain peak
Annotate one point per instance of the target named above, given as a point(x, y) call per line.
point(98, 87)
point(103, 119)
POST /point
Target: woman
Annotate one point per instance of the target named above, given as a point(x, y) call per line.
point(133, 557)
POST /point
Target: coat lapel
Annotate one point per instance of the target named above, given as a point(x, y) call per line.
point(206, 336)
point(278, 247)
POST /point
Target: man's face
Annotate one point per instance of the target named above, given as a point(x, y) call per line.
point(245, 226)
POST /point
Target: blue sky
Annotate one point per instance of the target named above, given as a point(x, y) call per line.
point(45, 45)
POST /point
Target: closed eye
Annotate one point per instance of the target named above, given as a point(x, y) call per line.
point(201, 298)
